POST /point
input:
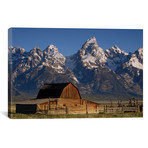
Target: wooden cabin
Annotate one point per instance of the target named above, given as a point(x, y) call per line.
point(60, 98)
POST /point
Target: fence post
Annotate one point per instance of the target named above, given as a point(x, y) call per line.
point(122, 108)
point(66, 110)
point(56, 104)
point(86, 109)
point(49, 104)
point(138, 108)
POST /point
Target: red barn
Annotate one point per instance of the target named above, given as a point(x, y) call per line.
point(60, 98)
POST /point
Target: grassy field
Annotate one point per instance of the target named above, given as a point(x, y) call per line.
point(100, 115)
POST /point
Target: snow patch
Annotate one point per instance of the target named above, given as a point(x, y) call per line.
point(57, 67)
point(91, 40)
point(134, 62)
point(53, 52)
point(88, 58)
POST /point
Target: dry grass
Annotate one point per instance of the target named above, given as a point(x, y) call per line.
point(101, 115)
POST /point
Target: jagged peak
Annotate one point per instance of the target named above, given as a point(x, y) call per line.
point(36, 49)
point(10, 47)
point(90, 46)
point(115, 49)
point(36, 52)
point(15, 50)
point(115, 46)
point(92, 40)
point(139, 54)
point(51, 48)
point(140, 50)
point(53, 52)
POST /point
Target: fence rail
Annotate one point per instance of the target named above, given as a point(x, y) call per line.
point(121, 109)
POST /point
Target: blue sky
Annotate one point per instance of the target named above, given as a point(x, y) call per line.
point(69, 41)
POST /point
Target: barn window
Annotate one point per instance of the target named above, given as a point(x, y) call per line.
point(64, 104)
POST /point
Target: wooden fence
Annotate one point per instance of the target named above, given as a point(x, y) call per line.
point(121, 109)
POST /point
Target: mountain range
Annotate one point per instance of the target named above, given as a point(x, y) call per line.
point(93, 70)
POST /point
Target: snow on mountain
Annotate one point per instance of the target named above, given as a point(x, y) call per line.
point(115, 57)
point(139, 54)
point(91, 54)
point(135, 60)
point(52, 51)
point(35, 57)
point(89, 58)
point(36, 52)
point(53, 58)
point(16, 53)
point(89, 64)
point(115, 51)
point(28, 60)
point(91, 47)
point(16, 50)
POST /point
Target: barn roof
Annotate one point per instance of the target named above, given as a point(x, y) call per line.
point(51, 90)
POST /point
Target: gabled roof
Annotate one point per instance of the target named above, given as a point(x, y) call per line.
point(51, 90)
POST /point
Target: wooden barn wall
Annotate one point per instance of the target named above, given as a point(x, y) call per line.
point(68, 101)
point(43, 107)
point(70, 92)
point(68, 106)
point(76, 106)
